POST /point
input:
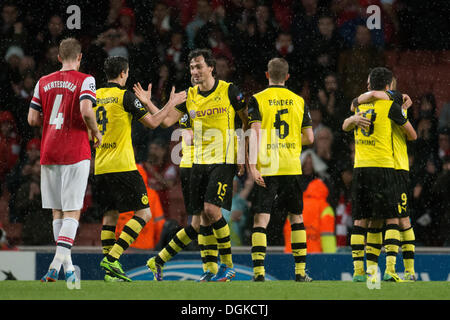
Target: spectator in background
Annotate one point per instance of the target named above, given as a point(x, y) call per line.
point(37, 226)
point(285, 48)
point(238, 216)
point(444, 143)
point(441, 203)
point(51, 36)
point(10, 136)
point(355, 63)
point(344, 221)
point(224, 69)
point(162, 173)
point(202, 16)
point(444, 116)
point(318, 218)
point(266, 26)
point(50, 62)
point(304, 27)
point(176, 54)
point(114, 42)
point(332, 103)
point(325, 50)
point(12, 31)
point(427, 136)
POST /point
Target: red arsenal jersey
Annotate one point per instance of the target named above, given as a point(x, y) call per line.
point(64, 137)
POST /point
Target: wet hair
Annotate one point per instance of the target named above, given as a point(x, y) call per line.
point(114, 65)
point(69, 49)
point(278, 69)
point(206, 54)
point(379, 78)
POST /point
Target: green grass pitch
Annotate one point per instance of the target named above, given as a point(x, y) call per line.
point(237, 290)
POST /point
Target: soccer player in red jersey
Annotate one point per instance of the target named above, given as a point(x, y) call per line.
point(63, 105)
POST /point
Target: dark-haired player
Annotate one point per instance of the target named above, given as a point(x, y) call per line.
point(374, 192)
point(119, 184)
point(407, 237)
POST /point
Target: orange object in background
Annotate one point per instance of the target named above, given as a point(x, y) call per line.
point(150, 234)
point(318, 218)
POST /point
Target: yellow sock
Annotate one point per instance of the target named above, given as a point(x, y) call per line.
point(129, 233)
point(179, 242)
point(298, 244)
point(108, 237)
point(208, 249)
point(259, 245)
point(222, 233)
point(407, 239)
point(373, 246)
point(391, 244)
point(357, 241)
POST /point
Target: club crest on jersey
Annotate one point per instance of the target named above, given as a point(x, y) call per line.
point(144, 199)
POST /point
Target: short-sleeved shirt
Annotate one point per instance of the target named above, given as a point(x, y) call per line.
point(283, 114)
point(64, 137)
point(212, 116)
point(116, 107)
point(373, 147)
point(401, 159)
point(186, 150)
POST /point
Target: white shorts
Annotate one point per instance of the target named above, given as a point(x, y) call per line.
point(63, 186)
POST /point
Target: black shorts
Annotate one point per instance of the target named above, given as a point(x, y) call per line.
point(374, 193)
point(403, 192)
point(285, 190)
point(211, 183)
point(121, 191)
point(185, 177)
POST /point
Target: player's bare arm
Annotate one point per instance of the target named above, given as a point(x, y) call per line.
point(34, 118)
point(409, 131)
point(307, 136)
point(90, 120)
point(381, 95)
point(168, 111)
point(243, 115)
point(255, 136)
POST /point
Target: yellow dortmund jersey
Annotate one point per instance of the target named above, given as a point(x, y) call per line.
point(374, 146)
point(282, 114)
point(115, 109)
point(212, 116)
point(186, 150)
point(401, 160)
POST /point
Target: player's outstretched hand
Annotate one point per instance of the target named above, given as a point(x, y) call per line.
point(177, 98)
point(141, 94)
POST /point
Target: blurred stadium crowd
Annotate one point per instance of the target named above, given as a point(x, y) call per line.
point(330, 51)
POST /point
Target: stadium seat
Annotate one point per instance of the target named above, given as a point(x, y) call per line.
point(391, 58)
point(417, 58)
point(444, 57)
point(441, 93)
point(4, 209)
point(14, 233)
point(88, 234)
point(406, 79)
